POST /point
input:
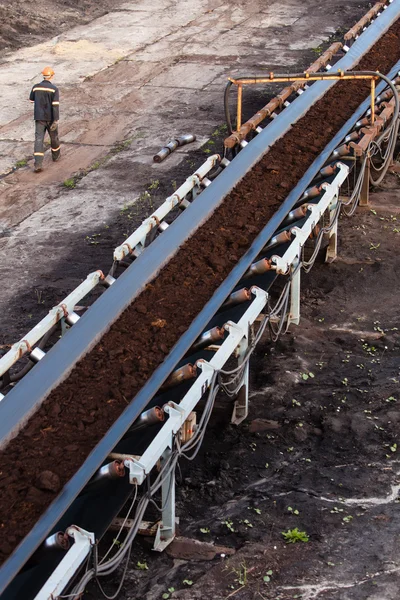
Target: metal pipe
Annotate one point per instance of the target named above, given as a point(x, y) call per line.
point(343, 150)
point(36, 355)
point(172, 146)
point(312, 192)
point(265, 112)
point(216, 334)
point(258, 268)
point(352, 137)
point(109, 472)
point(165, 151)
point(296, 214)
point(72, 319)
point(57, 541)
point(236, 298)
point(239, 107)
point(113, 470)
point(53, 545)
point(186, 139)
point(328, 171)
point(153, 416)
point(108, 281)
point(185, 373)
point(163, 226)
point(281, 238)
point(372, 101)
point(362, 123)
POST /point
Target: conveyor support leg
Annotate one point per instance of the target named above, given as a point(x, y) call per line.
point(241, 406)
point(331, 251)
point(364, 195)
point(166, 529)
point(294, 315)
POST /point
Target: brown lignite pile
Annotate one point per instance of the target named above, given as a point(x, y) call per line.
point(79, 412)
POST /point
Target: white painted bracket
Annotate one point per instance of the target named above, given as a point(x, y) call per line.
point(76, 555)
point(56, 314)
point(241, 405)
point(283, 263)
point(294, 314)
point(135, 243)
point(331, 251)
point(167, 528)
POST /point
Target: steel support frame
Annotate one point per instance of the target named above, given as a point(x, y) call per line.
point(290, 262)
point(282, 264)
point(55, 315)
point(331, 250)
point(72, 561)
point(161, 446)
point(167, 528)
point(364, 194)
point(241, 405)
point(294, 311)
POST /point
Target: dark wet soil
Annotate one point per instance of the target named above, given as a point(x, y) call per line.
point(95, 393)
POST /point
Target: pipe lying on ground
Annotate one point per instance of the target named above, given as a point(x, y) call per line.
point(172, 146)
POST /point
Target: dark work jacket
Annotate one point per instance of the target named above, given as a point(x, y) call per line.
point(45, 95)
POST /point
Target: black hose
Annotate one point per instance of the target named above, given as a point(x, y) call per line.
point(226, 107)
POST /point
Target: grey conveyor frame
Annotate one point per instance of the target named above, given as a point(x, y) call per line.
point(28, 395)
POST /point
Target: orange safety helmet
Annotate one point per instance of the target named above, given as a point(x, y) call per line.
point(47, 72)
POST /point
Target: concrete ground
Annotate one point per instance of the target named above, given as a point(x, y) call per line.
point(137, 75)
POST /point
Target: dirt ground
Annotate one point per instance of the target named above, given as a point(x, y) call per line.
point(318, 451)
point(31, 22)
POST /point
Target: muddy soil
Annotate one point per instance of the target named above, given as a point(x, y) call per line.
point(104, 402)
point(34, 21)
point(318, 452)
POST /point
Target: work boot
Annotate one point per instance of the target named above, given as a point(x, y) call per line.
point(56, 157)
point(38, 168)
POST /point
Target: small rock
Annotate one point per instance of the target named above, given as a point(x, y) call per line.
point(47, 480)
point(35, 496)
point(88, 420)
point(258, 425)
point(55, 410)
point(188, 549)
point(71, 448)
point(301, 434)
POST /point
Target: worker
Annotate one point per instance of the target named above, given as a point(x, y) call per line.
point(45, 97)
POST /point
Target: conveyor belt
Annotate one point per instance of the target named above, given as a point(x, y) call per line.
point(16, 408)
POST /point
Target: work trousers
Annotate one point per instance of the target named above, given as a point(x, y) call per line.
point(40, 130)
